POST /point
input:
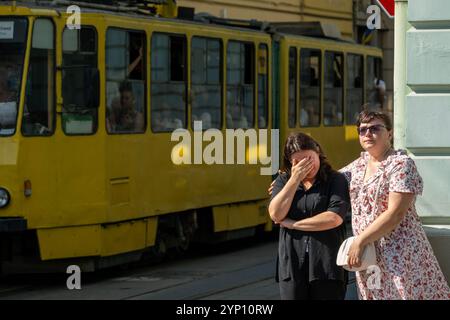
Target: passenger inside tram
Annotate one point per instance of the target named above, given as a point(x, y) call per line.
point(262, 122)
point(229, 120)
point(6, 94)
point(8, 104)
point(135, 69)
point(377, 96)
point(333, 116)
point(309, 113)
point(157, 122)
point(124, 116)
point(206, 120)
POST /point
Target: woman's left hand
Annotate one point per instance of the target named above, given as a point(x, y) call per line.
point(354, 254)
point(288, 223)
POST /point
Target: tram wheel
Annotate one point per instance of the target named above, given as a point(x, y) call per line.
point(159, 250)
point(183, 246)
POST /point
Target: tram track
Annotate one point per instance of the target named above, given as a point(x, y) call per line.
point(201, 274)
point(5, 290)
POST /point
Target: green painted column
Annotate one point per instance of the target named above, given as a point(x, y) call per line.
point(400, 88)
point(422, 109)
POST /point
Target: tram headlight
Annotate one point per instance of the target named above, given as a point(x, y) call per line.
point(4, 197)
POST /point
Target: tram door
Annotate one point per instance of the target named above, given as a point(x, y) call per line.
point(125, 119)
point(81, 170)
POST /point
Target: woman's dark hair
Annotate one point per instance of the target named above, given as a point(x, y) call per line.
point(366, 116)
point(301, 142)
point(125, 86)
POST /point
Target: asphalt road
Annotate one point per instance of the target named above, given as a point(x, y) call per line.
point(240, 270)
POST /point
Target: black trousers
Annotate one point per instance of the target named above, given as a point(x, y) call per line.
point(303, 289)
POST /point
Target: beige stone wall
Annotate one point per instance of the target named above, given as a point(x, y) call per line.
point(339, 12)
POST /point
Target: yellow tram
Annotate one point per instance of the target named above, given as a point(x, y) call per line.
point(82, 181)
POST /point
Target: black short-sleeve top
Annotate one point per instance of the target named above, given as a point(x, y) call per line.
point(321, 246)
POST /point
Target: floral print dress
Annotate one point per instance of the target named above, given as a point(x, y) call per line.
point(408, 266)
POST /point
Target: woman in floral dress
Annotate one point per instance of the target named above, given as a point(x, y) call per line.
point(384, 184)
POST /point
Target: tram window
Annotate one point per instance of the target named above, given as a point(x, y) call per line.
point(125, 81)
point(333, 90)
point(12, 50)
point(79, 116)
point(177, 58)
point(206, 82)
point(39, 111)
point(374, 96)
point(292, 104)
point(263, 86)
point(310, 73)
point(355, 90)
point(240, 85)
point(168, 87)
point(88, 40)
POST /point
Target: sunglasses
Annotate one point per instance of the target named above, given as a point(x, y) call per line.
point(372, 129)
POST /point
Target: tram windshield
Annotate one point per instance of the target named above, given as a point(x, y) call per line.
point(13, 37)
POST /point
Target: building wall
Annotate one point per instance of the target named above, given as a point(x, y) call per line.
point(339, 12)
point(428, 105)
point(423, 120)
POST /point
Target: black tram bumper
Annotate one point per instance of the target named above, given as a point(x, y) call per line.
point(12, 225)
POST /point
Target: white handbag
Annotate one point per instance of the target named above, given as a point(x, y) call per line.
point(368, 257)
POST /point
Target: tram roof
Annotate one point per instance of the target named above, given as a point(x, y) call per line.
point(60, 6)
point(311, 30)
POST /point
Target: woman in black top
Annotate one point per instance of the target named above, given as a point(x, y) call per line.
point(309, 200)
